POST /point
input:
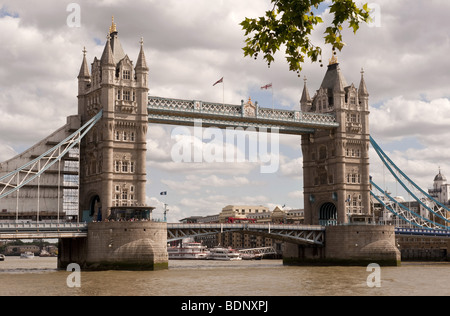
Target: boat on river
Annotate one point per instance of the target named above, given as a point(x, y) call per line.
point(2, 257)
point(224, 254)
point(188, 251)
point(27, 255)
point(252, 256)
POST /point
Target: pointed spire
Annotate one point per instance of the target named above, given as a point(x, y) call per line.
point(107, 56)
point(305, 96)
point(339, 82)
point(113, 27)
point(84, 70)
point(141, 61)
point(362, 86)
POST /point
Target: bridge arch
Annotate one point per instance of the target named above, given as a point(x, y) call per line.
point(328, 214)
point(95, 207)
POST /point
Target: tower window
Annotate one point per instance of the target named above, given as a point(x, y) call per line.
point(126, 95)
point(126, 75)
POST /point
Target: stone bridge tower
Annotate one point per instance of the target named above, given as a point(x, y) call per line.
point(336, 163)
point(113, 154)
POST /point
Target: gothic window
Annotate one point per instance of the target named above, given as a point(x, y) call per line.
point(323, 178)
point(126, 75)
point(132, 136)
point(131, 167)
point(330, 179)
point(117, 135)
point(125, 167)
point(119, 95)
point(125, 136)
point(353, 178)
point(126, 95)
point(323, 153)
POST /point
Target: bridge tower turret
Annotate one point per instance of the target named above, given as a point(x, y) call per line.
point(113, 154)
point(336, 162)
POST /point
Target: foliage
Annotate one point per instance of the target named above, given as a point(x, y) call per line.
point(291, 23)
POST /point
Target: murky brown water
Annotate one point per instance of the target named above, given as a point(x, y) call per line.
point(39, 277)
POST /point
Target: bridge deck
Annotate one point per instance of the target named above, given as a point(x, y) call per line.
point(186, 112)
point(33, 230)
point(292, 233)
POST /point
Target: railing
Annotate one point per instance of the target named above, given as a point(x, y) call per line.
point(41, 226)
point(422, 232)
point(235, 111)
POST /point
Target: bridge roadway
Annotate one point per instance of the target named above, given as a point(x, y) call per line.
point(300, 234)
point(46, 230)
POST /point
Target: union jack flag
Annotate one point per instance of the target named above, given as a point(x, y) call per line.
point(267, 86)
point(220, 81)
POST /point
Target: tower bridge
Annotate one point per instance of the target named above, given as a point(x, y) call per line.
point(109, 136)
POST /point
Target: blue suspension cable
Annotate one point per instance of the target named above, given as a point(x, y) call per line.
point(383, 158)
point(86, 128)
point(405, 208)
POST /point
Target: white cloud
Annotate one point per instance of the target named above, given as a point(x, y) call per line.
point(406, 71)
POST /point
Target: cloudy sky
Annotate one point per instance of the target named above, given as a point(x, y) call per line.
point(189, 46)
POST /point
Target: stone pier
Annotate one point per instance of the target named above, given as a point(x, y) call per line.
point(118, 246)
point(357, 245)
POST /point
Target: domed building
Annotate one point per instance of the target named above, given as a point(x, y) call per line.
point(440, 190)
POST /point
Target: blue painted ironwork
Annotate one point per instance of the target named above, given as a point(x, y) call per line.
point(293, 233)
point(405, 213)
point(391, 166)
point(186, 112)
point(38, 166)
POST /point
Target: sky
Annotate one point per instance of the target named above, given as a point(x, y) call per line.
point(190, 45)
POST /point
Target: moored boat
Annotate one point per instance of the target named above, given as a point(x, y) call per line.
point(27, 255)
point(224, 254)
point(2, 257)
point(251, 256)
point(188, 251)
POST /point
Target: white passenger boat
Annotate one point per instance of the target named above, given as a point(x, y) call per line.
point(188, 251)
point(224, 254)
point(27, 255)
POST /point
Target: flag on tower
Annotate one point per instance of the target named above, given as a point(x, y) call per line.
point(267, 86)
point(220, 81)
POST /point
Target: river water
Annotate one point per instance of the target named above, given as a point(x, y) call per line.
point(39, 277)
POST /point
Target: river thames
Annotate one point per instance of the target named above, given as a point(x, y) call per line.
point(39, 277)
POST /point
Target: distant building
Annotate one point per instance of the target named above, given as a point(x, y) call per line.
point(440, 192)
point(241, 211)
point(17, 250)
point(441, 189)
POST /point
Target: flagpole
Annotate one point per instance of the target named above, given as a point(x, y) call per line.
point(273, 104)
point(223, 91)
